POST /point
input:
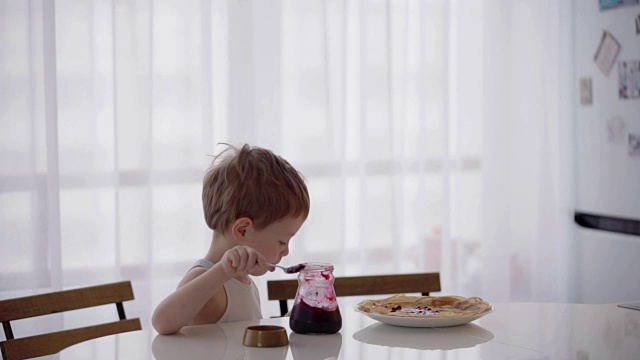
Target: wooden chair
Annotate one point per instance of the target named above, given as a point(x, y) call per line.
point(51, 343)
point(424, 283)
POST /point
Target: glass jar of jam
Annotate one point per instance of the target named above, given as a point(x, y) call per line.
point(315, 309)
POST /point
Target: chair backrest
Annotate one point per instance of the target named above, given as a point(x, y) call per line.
point(424, 283)
point(51, 343)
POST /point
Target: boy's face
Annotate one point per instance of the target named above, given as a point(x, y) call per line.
point(273, 241)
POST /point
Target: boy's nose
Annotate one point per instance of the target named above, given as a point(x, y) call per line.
point(285, 252)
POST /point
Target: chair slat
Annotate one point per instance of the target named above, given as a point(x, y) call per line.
point(363, 285)
point(282, 289)
point(52, 343)
point(387, 284)
point(60, 301)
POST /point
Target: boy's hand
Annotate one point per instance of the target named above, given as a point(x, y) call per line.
point(242, 261)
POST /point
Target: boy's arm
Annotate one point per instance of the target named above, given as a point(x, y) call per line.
point(179, 308)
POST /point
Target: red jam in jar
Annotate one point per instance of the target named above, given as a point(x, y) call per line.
point(315, 309)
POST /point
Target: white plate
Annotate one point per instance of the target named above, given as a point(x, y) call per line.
point(423, 321)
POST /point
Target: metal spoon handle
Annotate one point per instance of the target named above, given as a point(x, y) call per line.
point(278, 266)
point(291, 269)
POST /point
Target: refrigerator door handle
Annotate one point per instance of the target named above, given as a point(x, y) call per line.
point(608, 223)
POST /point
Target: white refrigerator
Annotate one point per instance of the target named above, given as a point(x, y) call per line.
point(607, 150)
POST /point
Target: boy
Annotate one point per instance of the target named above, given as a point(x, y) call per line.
point(255, 202)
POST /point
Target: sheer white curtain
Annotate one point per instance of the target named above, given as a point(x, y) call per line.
point(527, 111)
point(434, 136)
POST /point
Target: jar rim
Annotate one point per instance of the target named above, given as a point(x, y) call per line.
point(317, 266)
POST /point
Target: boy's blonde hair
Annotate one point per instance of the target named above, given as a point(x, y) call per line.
point(255, 183)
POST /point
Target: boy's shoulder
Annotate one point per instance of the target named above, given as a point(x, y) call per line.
point(199, 267)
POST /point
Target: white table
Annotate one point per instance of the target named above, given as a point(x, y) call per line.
point(512, 331)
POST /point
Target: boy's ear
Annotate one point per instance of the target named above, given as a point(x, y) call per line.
point(241, 227)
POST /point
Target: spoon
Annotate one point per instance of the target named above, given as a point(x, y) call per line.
point(291, 269)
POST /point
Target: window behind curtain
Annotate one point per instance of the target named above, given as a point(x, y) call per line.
point(363, 97)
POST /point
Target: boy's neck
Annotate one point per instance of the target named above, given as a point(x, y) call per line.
point(219, 245)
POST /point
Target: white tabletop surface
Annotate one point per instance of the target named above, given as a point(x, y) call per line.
point(512, 331)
